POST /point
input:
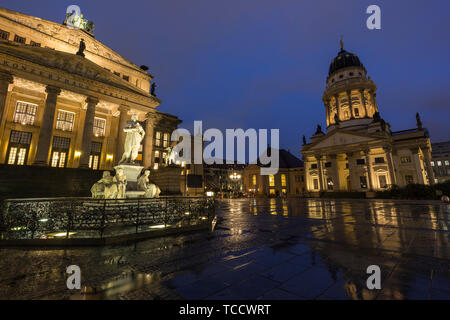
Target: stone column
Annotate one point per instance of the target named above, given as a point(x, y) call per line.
point(45, 133)
point(369, 169)
point(363, 102)
point(372, 96)
point(88, 132)
point(5, 79)
point(148, 140)
point(336, 181)
point(338, 106)
point(392, 174)
point(120, 133)
point(427, 163)
point(350, 104)
point(417, 164)
point(319, 168)
point(350, 168)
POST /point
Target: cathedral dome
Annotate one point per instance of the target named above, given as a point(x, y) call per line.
point(343, 60)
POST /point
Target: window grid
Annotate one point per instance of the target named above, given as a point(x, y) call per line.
point(99, 127)
point(19, 39)
point(158, 138)
point(25, 113)
point(166, 140)
point(4, 35)
point(65, 120)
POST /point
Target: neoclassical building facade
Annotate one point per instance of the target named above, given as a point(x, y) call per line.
point(360, 152)
point(63, 109)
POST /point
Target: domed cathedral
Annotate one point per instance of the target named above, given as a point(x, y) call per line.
point(359, 152)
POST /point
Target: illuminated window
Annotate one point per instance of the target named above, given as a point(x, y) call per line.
point(156, 156)
point(272, 191)
point(94, 157)
point(283, 191)
point(155, 166)
point(315, 184)
point(60, 149)
point(164, 154)
point(158, 138)
point(405, 159)
point(166, 140)
point(19, 39)
point(25, 113)
point(283, 180)
point(99, 127)
point(4, 35)
point(432, 163)
point(439, 163)
point(254, 179)
point(19, 145)
point(271, 181)
point(446, 162)
point(64, 120)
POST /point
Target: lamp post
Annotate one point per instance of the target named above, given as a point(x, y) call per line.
point(235, 177)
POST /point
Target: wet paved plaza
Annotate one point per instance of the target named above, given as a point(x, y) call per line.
point(259, 249)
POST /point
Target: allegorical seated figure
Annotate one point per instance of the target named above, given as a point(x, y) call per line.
point(105, 187)
point(143, 184)
point(120, 181)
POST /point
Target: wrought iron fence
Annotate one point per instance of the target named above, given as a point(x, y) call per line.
point(46, 218)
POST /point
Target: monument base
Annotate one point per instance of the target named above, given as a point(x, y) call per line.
point(132, 172)
point(168, 179)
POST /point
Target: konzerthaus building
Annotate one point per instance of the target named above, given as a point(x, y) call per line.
point(360, 152)
point(63, 109)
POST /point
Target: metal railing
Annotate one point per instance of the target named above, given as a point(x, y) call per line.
point(46, 218)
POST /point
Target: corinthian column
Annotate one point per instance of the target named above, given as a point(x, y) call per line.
point(369, 169)
point(88, 132)
point(5, 79)
point(121, 134)
point(148, 139)
point(45, 134)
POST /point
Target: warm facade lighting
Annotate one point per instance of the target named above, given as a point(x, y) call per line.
point(77, 153)
point(109, 157)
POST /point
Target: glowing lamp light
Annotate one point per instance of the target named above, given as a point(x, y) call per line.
point(43, 220)
point(158, 226)
point(109, 157)
point(62, 234)
point(77, 153)
point(209, 193)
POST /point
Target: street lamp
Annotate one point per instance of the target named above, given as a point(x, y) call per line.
point(235, 177)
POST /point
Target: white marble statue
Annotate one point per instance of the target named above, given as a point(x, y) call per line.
point(121, 184)
point(105, 187)
point(135, 135)
point(170, 156)
point(143, 184)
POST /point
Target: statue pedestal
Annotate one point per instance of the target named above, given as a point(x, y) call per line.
point(132, 172)
point(168, 179)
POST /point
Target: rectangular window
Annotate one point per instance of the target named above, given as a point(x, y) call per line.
point(25, 113)
point(18, 147)
point(166, 140)
point(94, 157)
point(117, 73)
point(283, 180)
point(158, 138)
point(4, 35)
point(64, 120)
point(316, 184)
point(126, 78)
point(379, 160)
point(283, 191)
point(254, 179)
point(363, 182)
point(405, 159)
point(164, 155)
point(19, 39)
point(156, 156)
point(446, 162)
point(432, 163)
point(360, 161)
point(409, 179)
point(271, 180)
point(155, 166)
point(439, 163)
point(60, 150)
point(34, 44)
point(327, 164)
point(99, 127)
point(356, 112)
point(272, 191)
point(382, 181)
point(314, 166)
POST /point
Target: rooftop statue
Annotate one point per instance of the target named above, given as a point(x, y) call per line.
point(135, 135)
point(81, 48)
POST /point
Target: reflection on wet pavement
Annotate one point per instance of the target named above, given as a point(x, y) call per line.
point(259, 249)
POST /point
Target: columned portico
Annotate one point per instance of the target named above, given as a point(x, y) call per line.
point(148, 139)
point(368, 169)
point(123, 118)
point(320, 170)
point(88, 132)
point(46, 131)
point(5, 79)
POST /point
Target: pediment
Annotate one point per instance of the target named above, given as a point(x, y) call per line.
point(341, 139)
point(66, 62)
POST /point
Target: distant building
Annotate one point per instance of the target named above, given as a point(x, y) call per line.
point(289, 180)
point(359, 151)
point(224, 179)
point(440, 161)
